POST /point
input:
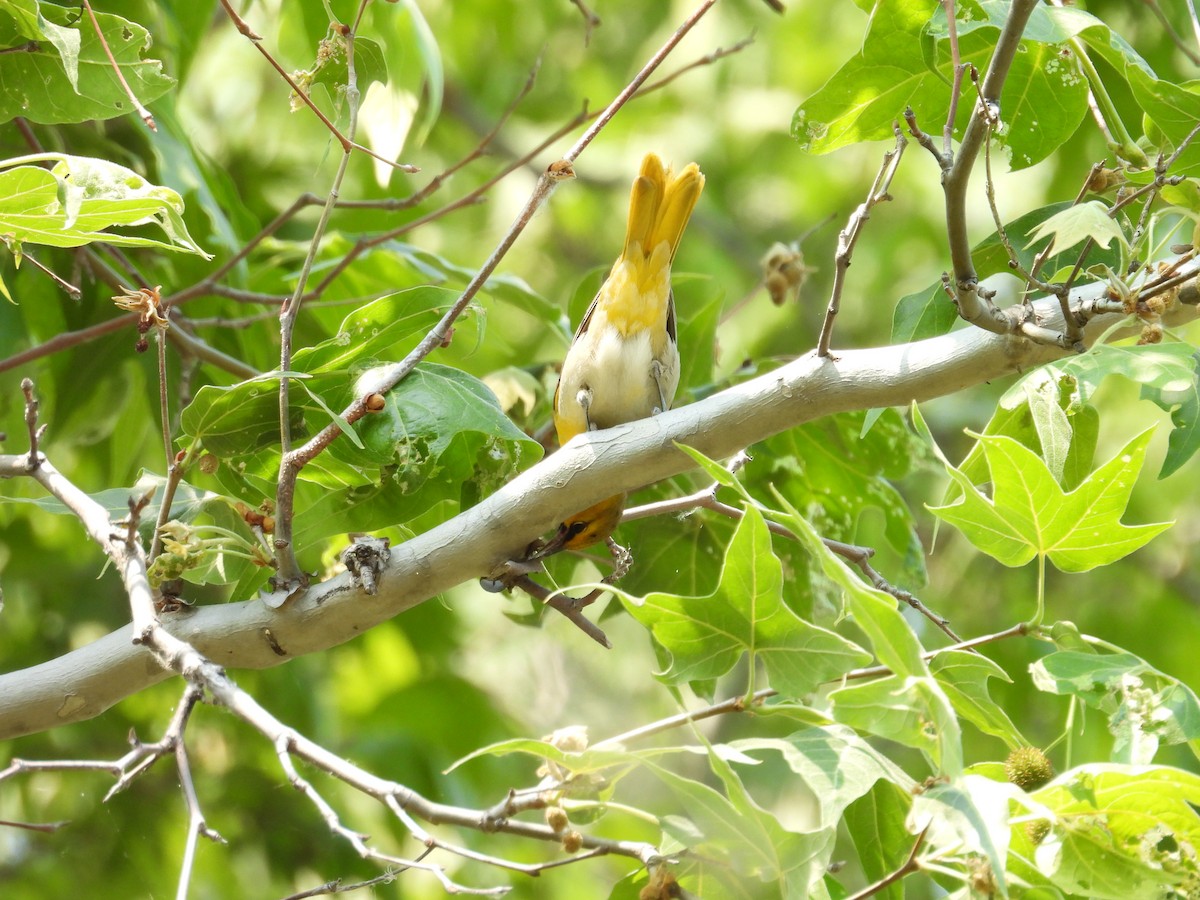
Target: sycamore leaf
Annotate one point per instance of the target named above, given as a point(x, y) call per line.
point(913, 711)
point(963, 677)
point(1145, 707)
point(734, 834)
point(1121, 832)
point(706, 636)
point(1076, 224)
point(970, 813)
point(875, 822)
point(1183, 403)
point(835, 763)
point(1029, 514)
point(908, 707)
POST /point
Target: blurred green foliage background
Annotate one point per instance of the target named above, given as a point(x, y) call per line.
point(413, 695)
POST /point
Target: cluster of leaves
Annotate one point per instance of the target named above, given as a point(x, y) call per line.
point(890, 748)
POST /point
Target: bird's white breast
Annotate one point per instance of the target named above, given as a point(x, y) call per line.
point(617, 371)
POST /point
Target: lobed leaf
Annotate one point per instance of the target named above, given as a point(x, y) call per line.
point(1029, 514)
point(706, 636)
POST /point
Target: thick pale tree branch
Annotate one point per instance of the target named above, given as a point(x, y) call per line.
point(86, 682)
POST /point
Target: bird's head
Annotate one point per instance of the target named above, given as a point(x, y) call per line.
point(588, 527)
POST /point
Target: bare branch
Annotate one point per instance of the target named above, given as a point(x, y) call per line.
point(591, 21)
point(909, 866)
point(480, 540)
point(72, 290)
point(957, 177)
point(137, 104)
point(347, 143)
point(289, 576)
point(956, 88)
point(849, 236)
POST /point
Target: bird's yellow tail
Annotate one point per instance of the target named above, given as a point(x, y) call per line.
point(659, 208)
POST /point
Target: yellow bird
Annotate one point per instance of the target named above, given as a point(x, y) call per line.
point(623, 363)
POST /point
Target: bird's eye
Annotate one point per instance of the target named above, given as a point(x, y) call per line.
point(575, 529)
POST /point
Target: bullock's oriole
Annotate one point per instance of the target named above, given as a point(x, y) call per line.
point(623, 363)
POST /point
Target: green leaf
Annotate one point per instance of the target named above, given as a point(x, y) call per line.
point(874, 611)
point(571, 762)
point(735, 832)
point(964, 678)
point(434, 77)
point(926, 313)
point(1174, 108)
point(706, 636)
point(917, 700)
point(876, 825)
point(384, 329)
point(930, 312)
point(1029, 515)
point(331, 70)
point(1045, 411)
point(239, 419)
point(834, 763)
point(870, 92)
point(875, 822)
point(1145, 707)
point(970, 813)
point(57, 71)
point(991, 256)
point(188, 503)
point(717, 472)
point(905, 62)
point(1051, 424)
point(1168, 368)
point(1184, 407)
point(81, 198)
point(1168, 375)
point(1076, 224)
point(425, 411)
point(1051, 97)
point(844, 479)
point(1122, 832)
point(909, 710)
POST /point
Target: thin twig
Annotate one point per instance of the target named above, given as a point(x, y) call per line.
point(347, 142)
point(568, 606)
point(289, 575)
point(72, 291)
point(909, 866)
point(1191, 5)
point(209, 285)
point(1175, 36)
point(164, 408)
point(856, 555)
point(956, 179)
point(137, 104)
point(195, 347)
point(207, 680)
point(956, 67)
point(197, 827)
point(742, 703)
point(43, 827)
point(336, 886)
point(849, 235)
point(638, 80)
point(591, 21)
